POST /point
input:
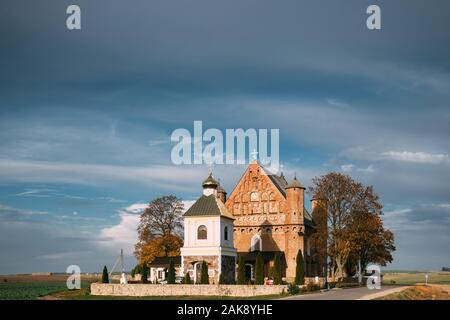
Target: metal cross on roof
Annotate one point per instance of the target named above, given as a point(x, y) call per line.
point(254, 154)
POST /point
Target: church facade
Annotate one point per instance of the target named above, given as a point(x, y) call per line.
point(264, 213)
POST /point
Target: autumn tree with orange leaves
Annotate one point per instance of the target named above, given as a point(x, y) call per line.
point(160, 229)
point(352, 224)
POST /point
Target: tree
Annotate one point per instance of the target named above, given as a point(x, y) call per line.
point(105, 276)
point(346, 200)
point(300, 269)
point(259, 269)
point(162, 219)
point(136, 270)
point(370, 242)
point(144, 274)
point(204, 278)
point(241, 271)
point(164, 246)
point(277, 276)
point(171, 273)
point(187, 278)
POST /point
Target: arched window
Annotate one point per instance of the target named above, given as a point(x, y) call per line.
point(225, 233)
point(256, 243)
point(202, 233)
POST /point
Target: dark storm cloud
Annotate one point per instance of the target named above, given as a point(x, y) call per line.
point(97, 106)
point(264, 47)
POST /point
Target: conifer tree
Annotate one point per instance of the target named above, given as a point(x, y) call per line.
point(204, 278)
point(259, 269)
point(241, 271)
point(171, 273)
point(144, 274)
point(187, 278)
point(300, 269)
point(105, 276)
point(277, 269)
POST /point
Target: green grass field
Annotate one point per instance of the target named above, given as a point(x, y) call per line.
point(29, 291)
point(413, 277)
point(32, 290)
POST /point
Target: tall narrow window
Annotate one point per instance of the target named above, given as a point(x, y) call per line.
point(202, 233)
point(225, 233)
point(256, 243)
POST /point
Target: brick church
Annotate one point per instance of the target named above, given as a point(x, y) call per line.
point(264, 213)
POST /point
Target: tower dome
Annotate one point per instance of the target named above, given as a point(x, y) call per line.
point(294, 184)
point(210, 186)
point(210, 182)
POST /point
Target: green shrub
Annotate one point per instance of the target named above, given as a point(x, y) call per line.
point(310, 287)
point(226, 280)
point(293, 289)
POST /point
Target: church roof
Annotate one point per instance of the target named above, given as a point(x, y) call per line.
point(208, 206)
point(279, 182)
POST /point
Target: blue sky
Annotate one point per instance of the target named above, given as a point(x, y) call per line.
point(86, 116)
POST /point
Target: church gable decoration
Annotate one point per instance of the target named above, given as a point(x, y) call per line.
point(257, 193)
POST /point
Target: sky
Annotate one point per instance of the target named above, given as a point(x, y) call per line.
point(86, 115)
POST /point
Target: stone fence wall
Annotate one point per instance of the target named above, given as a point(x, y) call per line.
point(141, 290)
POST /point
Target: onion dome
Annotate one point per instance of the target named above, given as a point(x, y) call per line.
point(210, 182)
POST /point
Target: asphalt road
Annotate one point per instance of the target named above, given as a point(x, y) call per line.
point(340, 294)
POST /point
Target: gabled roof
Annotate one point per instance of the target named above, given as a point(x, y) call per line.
point(279, 182)
point(208, 206)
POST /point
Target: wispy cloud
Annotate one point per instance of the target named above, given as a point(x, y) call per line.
point(8, 213)
point(337, 103)
point(163, 176)
point(417, 157)
point(347, 167)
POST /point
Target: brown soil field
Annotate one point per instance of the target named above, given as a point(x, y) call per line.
point(422, 292)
